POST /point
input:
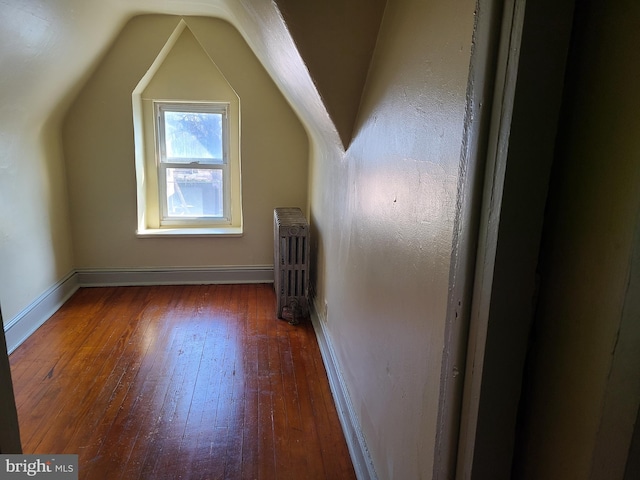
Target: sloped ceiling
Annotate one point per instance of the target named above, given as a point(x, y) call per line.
point(50, 48)
point(336, 39)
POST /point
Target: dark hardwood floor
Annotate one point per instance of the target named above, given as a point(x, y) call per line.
point(179, 382)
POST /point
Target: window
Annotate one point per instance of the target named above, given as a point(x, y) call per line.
point(194, 186)
point(186, 132)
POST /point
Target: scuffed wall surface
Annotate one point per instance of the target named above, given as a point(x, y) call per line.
point(384, 214)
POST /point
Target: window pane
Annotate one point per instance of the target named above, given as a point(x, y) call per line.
point(194, 192)
point(193, 135)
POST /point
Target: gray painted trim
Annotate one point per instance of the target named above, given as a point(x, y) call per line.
point(480, 86)
point(20, 327)
point(174, 276)
point(360, 456)
point(527, 102)
point(506, 70)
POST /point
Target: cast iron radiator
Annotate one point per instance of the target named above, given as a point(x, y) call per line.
point(291, 263)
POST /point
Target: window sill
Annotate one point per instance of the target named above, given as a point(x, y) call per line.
point(190, 232)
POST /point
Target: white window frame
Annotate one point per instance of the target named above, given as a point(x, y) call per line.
point(163, 163)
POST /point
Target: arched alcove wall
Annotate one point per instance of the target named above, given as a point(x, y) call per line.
point(99, 150)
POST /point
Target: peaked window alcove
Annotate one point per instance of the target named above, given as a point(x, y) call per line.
point(194, 189)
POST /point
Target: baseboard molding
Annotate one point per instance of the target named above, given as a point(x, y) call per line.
point(350, 424)
point(20, 327)
point(175, 276)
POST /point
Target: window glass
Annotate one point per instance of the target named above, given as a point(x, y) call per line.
point(193, 171)
point(194, 192)
point(193, 135)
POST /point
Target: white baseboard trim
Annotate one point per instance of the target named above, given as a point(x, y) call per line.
point(360, 456)
point(20, 327)
point(175, 275)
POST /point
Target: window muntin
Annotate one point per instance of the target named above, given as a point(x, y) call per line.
point(193, 164)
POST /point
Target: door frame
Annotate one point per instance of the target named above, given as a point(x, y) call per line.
point(9, 428)
point(530, 68)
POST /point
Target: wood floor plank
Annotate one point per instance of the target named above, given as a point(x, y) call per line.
point(233, 414)
point(113, 394)
point(127, 348)
point(192, 382)
point(79, 350)
point(117, 427)
point(196, 444)
point(280, 427)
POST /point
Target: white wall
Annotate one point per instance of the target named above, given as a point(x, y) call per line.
point(382, 212)
point(384, 216)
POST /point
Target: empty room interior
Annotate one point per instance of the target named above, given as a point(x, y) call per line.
point(468, 175)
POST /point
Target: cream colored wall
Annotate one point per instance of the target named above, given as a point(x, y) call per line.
point(205, 82)
point(35, 240)
point(337, 65)
point(382, 212)
point(595, 203)
point(384, 215)
point(99, 152)
point(47, 51)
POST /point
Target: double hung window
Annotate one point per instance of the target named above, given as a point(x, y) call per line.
point(193, 163)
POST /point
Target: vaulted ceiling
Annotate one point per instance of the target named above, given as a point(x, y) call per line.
point(317, 52)
point(336, 39)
